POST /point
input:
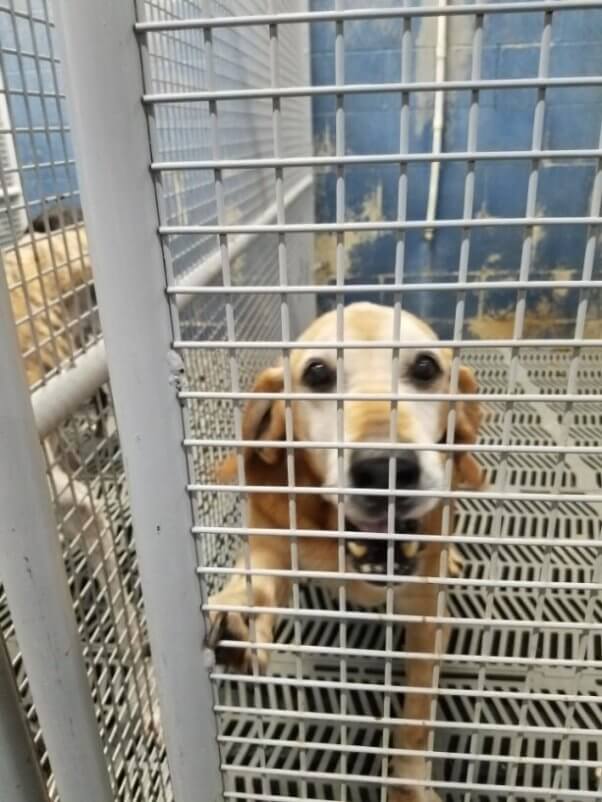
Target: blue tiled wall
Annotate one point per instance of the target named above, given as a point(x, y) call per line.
point(510, 50)
point(35, 104)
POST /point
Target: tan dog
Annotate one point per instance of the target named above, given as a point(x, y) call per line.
point(45, 299)
point(367, 371)
point(49, 277)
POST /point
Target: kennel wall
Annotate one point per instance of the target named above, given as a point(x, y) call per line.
point(198, 200)
point(507, 45)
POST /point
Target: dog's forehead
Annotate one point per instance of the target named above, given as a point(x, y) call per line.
point(364, 322)
point(367, 322)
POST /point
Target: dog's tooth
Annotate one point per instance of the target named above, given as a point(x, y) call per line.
point(357, 550)
point(409, 549)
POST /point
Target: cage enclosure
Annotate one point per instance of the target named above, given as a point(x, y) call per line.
point(246, 167)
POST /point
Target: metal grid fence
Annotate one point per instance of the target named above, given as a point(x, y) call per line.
point(513, 721)
point(516, 705)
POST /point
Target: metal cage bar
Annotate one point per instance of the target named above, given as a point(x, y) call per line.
point(368, 89)
point(285, 322)
point(365, 14)
point(233, 366)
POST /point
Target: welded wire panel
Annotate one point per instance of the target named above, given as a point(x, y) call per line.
point(50, 277)
point(183, 132)
point(178, 63)
point(507, 271)
point(45, 246)
point(9, 217)
point(95, 524)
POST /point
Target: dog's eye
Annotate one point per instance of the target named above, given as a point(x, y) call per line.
point(318, 375)
point(425, 368)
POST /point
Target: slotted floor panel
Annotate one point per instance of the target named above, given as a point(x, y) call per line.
point(502, 721)
point(512, 748)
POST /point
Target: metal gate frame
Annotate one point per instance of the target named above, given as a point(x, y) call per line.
point(112, 143)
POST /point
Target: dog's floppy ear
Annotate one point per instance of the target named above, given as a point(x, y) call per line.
point(468, 422)
point(263, 419)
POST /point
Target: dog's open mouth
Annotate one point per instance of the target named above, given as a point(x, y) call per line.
point(369, 555)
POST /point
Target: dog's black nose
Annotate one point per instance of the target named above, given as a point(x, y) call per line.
point(372, 472)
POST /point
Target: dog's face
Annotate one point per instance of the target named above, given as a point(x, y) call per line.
point(373, 423)
point(370, 371)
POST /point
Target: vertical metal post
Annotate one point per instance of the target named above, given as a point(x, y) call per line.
point(340, 261)
point(111, 137)
point(36, 587)
point(20, 775)
point(285, 320)
point(400, 264)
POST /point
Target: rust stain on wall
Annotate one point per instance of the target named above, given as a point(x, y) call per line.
point(542, 321)
point(325, 244)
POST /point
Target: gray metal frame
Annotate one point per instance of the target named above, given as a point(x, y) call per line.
point(121, 214)
point(33, 575)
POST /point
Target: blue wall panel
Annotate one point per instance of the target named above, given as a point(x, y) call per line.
point(511, 49)
point(34, 103)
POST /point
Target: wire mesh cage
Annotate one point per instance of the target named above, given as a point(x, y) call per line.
point(249, 630)
point(50, 284)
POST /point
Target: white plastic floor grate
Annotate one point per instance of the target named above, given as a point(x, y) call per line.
point(493, 765)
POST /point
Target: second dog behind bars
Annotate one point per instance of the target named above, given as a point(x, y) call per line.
point(370, 509)
point(50, 284)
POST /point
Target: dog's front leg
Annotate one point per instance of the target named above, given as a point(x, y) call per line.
point(258, 590)
point(419, 637)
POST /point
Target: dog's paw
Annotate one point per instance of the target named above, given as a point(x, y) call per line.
point(455, 562)
point(229, 626)
point(413, 769)
point(152, 723)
